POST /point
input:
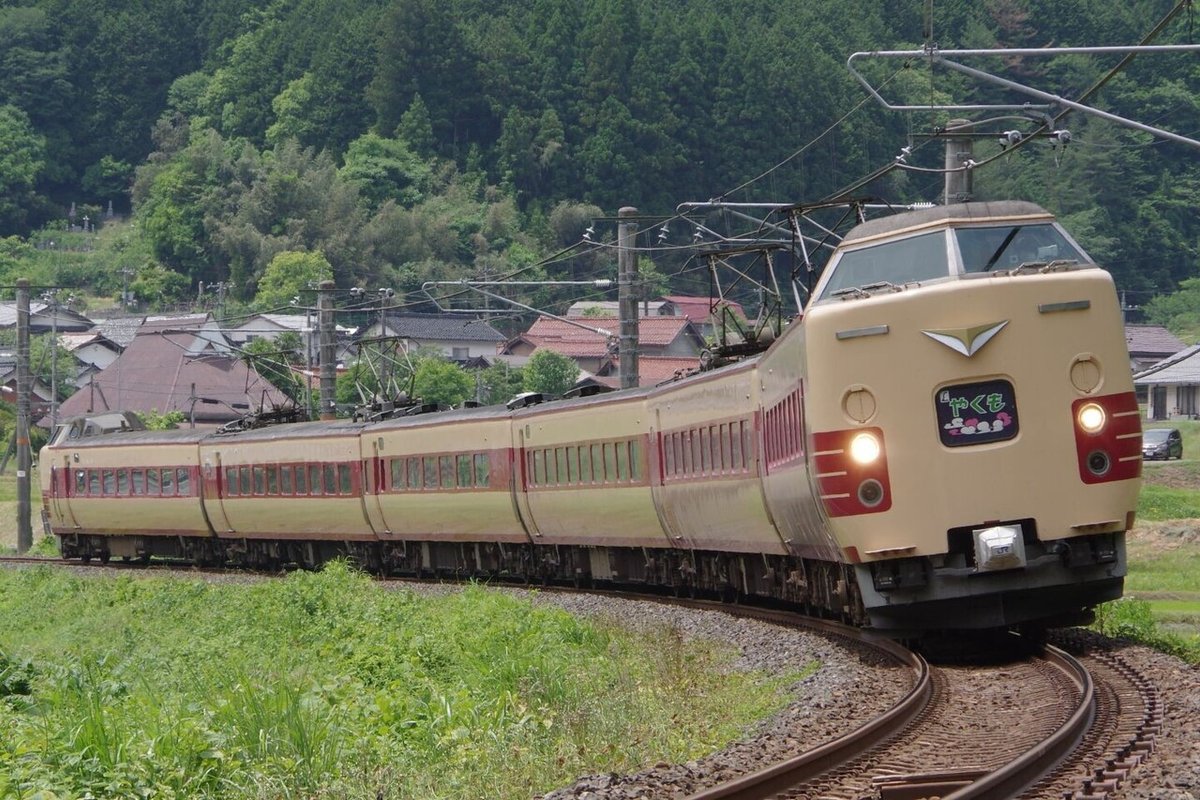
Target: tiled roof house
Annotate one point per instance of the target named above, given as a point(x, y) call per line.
point(176, 365)
point(1173, 385)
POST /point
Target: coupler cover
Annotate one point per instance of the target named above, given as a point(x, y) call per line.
point(999, 547)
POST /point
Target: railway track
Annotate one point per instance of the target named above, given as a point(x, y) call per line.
point(1048, 725)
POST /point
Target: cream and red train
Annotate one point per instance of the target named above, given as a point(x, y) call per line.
point(949, 438)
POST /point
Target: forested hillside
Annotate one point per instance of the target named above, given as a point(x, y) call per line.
point(408, 140)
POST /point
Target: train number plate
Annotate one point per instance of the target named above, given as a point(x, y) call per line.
point(976, 413)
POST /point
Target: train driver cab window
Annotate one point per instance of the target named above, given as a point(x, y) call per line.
point(1005, 247)
point(896, 263)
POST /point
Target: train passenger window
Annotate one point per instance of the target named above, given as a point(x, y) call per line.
point(699, 462)
point(735, 447)
point(447, 471)
point(301, 480)
point(152, 483)
point(610, 462)
point(747, 444)
point(597, 463)
point(123, 482)
point(414, 473)
point(668, 455)
point(622, 449)
point(705, 450)
point(431, 472)
point(244, 481)
point(168, 482)
point(396, 469)
point(260, 481)
point(182, 481)
point(110, 482)
point(345, 479)
point(230, 489)
point(330, 485)
point(285, 479)
point(314, 479)
point(466, 474)
point(552, 476)
point(94, 482)
point(585, 464)
point(81, 482)
point(635, 460)
point(560, 461)
point(137, 480)
point(483, 476)
point(539, 467)
point(573, 465)
point(272, 479)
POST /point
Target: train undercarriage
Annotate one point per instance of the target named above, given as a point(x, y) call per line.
point(822, 588)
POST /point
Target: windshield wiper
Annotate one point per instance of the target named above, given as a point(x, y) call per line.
point(991, 262)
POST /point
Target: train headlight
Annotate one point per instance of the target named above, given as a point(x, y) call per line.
point(864, 448)
point(1091, 418)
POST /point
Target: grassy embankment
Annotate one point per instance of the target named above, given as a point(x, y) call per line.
point(1161, 606)
point(331, 685)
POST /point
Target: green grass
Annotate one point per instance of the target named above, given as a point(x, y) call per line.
point(328, 685)
point(1157, 503)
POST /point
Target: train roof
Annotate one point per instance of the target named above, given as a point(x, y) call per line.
point(130, 438)
point(949, 214)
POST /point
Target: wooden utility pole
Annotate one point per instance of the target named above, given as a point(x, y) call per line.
point(24, 390)
point(627, 280)
point(328, 351)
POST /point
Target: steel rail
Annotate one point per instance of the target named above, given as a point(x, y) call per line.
point(784, 775)
point(1009, 780)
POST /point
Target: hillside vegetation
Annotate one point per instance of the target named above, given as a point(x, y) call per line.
point(436, 139)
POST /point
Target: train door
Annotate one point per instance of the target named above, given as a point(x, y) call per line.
point(212, 498)
point(520, 485)
point(663, 504)
point(374, 481)
point(60, 493)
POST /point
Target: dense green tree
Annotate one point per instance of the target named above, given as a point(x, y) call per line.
point(1179, 311)
point(499, 383)
point(290, 275)
point(549, 372)
point(22, 159)
point(386, 169)
point(444, 382)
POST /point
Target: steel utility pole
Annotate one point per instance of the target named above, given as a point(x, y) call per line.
point(328, 352)
point(24, 390)
point(627, 279)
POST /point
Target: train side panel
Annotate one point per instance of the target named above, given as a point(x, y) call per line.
point(585, 473)
point(139, 484)
point(785, 433)
point(443, 479)
point(708, 486)
point(302, 482)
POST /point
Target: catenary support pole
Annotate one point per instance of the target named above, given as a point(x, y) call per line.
point(327, 354)
point(627, 280)
point(24, 390)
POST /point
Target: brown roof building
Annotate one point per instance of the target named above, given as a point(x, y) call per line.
point(592, 341)
point(176, 365)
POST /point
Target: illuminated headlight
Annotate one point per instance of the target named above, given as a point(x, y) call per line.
point(864, 448)
point(1091, 418)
